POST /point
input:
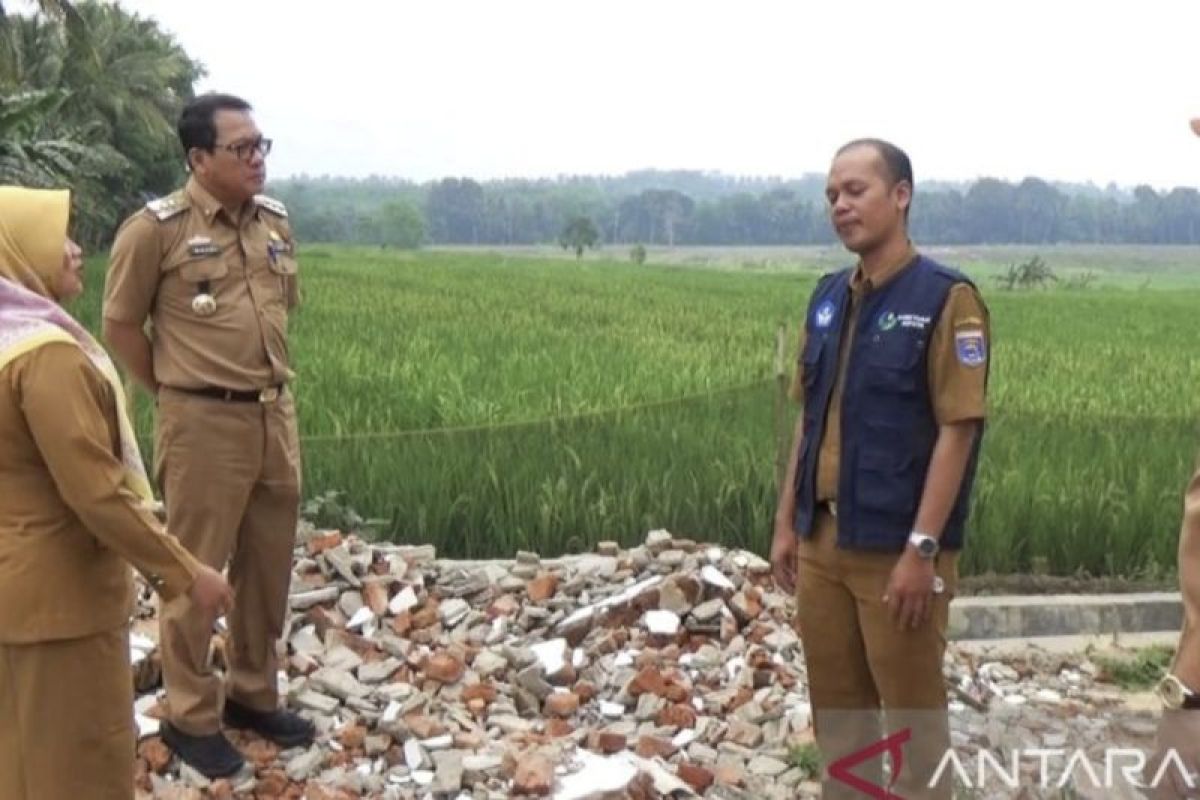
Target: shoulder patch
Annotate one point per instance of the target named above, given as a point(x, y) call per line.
point(971, 347)
point(166, 207)
point(271, 204)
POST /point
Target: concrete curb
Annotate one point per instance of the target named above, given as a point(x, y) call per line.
point(1024, 616)
point(1061, 645)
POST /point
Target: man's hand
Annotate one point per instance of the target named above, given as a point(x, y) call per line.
point(783, 556)
point(909, 593)
point(1178, 730)
point(210, 592)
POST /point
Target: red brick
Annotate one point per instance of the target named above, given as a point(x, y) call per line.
point(444, 668)
point(677, 716)
point(542, 587)
point(376, 597)
point(534, 775)
point(328, 541)
point(561, 704)
point(655, 747)
point(695, 776)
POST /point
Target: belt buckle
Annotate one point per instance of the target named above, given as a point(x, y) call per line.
point(832, 506)
point(269, 394)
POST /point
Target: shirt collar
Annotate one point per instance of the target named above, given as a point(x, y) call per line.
point(209, 206)
point(859, 282)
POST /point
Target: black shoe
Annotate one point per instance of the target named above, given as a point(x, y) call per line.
point(212, 755)
point(284, 728)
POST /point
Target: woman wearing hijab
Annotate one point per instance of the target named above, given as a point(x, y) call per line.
point(74, 512)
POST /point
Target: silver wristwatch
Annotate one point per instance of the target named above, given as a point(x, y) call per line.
point(1175, 694)
point(926, 546)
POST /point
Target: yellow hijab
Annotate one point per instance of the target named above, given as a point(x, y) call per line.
point(33, 231)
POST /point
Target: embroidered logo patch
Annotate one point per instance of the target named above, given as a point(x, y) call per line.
point(971, 348)
point(914, 321)
point(824, 316)
point(888, 321)
point(276, 246)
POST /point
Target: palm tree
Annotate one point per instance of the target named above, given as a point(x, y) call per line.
point(59, 9)
point(108, 78)
point(133, 79)
point(62, 12)
point(29, 153)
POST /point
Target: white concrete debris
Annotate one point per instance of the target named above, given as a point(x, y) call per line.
point(643, 669)
point(662, 623)
point(594, 776)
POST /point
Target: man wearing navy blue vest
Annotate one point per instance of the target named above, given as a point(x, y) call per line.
point(892, 376)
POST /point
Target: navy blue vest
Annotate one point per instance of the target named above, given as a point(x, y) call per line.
point(887, 418)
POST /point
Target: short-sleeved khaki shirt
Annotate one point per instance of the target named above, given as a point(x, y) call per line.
point(957, 389)
point(187, 245)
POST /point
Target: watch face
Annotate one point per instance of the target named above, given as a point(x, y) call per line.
point(927, 548)
point(1171, 692)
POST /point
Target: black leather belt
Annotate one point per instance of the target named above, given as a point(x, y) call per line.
point(267, 395)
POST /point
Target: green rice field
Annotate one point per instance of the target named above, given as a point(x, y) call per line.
point(489, 401)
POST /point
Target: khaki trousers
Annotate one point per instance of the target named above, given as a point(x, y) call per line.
point(66, 719)
point(230, 477)
point(1187, 656)
point(860, 664)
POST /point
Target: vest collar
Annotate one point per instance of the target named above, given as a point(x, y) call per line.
point(861, 284)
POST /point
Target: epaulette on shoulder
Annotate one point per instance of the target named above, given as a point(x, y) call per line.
point(271, 204)
point(166, 207)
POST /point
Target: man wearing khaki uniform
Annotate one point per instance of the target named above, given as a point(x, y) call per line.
point(892, 375)
point(1178, 738)
point(212, 268)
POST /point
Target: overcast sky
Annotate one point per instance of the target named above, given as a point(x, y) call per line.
point(1063, 89)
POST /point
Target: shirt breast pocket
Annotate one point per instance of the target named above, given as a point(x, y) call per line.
point(203, 268)
point(192, 284)
point(201, 279)
point(284, 269)
point(283, 264)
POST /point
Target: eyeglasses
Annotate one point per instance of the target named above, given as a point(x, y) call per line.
point(246, 150)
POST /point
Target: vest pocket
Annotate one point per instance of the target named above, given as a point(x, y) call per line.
point(894, 363)
point(810, 361)
point(884, 481)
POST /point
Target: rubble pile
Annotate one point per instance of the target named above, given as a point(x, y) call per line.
point(671, 669)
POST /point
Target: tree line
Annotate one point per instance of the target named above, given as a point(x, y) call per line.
point(719, 210)
point(90, 93)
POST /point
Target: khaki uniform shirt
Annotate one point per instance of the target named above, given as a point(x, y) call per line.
point(186, 245)
point(68, 527)
point(957, 390)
